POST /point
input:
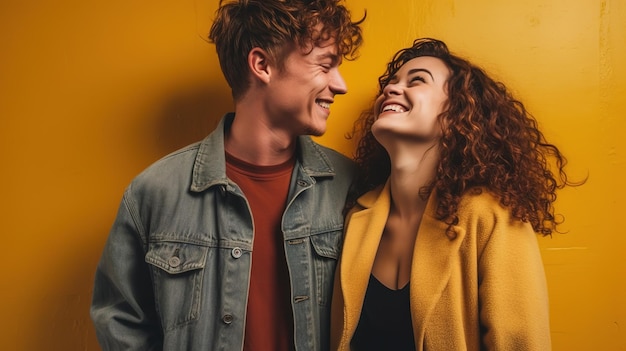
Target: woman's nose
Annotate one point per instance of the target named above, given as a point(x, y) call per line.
point(392, 89)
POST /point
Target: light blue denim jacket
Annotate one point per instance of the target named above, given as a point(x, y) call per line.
point(175, 269)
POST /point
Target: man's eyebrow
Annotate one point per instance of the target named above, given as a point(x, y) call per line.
point(415, 70)
point(332, 56)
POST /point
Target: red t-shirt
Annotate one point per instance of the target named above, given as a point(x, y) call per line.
point(269, 319)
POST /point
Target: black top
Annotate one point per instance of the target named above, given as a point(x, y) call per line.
point(385, 322)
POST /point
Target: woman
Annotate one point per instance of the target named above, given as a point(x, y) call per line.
point(440, 249)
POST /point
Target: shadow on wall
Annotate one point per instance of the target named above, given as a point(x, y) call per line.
point(190, 115)
point(180, 117)
point(168, 121)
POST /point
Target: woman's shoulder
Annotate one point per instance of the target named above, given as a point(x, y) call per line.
point(482, 203)
point(482, 214)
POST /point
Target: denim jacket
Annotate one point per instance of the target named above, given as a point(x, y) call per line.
point(175, 269)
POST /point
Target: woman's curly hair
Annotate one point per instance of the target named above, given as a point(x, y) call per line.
point(488, 140)
point(276, 26)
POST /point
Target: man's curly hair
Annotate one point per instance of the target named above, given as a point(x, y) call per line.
point(276, 26)
point(489, 140)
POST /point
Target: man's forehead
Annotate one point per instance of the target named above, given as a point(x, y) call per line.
point(324, 48)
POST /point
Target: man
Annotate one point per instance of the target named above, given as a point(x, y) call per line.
point(231, 243)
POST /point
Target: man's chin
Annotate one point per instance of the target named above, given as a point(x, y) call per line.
point(316, 132)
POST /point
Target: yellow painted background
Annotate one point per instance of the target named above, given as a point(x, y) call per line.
point(92, 92)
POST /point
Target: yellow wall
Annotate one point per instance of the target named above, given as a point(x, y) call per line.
point(91, 92)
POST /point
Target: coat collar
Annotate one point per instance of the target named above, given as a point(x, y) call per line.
point(432, 257)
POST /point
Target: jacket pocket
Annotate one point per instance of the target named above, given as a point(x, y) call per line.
point(177, 272)
point(326, 249)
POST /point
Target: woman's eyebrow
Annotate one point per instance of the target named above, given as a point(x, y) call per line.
point(415, 70)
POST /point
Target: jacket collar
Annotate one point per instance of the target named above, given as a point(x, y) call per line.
point(210, 164)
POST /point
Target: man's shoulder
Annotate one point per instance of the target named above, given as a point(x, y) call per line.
point(334, 153)
point(339, 160)
point(336, 158)
point(182, 161)
point(179, 161)
point(171, 174)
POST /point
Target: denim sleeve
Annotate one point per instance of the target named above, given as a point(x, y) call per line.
point(123, 307)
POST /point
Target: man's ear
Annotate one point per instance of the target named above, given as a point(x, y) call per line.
point(259, 64)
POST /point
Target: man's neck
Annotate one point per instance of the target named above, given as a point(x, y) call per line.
point(253, 140)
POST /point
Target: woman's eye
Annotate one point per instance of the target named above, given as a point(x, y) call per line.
point(417, 79)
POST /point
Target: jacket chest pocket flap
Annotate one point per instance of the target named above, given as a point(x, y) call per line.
point(177, 272)
point(176, 257)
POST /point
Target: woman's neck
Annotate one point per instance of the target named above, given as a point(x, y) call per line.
point(411, 169)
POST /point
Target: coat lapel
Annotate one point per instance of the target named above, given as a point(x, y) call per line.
point(362, 238)
point(433, 257)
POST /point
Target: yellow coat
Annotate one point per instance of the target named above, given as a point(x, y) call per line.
point(483, 290)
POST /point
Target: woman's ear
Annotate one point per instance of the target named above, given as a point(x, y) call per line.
point(259, 64)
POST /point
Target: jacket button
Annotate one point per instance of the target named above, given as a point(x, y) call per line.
point(236, 252)
point(227, 318)
point(302, 183)
point(174, 261)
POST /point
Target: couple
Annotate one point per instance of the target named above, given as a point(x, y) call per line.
point(234, 243)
